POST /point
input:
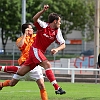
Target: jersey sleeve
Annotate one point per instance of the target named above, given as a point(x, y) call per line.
point(20, 48)
point(59, 38)
point(40, 24)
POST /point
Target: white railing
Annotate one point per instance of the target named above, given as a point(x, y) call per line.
point(77, 69)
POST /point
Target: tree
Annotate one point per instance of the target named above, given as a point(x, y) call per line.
point(33, 6)
point(75, 14)
point(10, 20)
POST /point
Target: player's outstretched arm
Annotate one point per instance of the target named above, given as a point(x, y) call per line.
point(35, 18)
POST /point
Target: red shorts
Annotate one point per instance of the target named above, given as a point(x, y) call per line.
point(35, 58)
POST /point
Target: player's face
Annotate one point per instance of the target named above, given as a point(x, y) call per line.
point(58, 22)
point(30, 31)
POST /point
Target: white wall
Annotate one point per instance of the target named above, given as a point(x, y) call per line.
point(74, 35)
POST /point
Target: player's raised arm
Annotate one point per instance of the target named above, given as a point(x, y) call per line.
point(40, 13)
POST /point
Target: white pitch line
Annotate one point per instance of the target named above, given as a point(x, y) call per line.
point(17, 91)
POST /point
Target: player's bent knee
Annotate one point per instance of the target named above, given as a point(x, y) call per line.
point(21, 74)
point(47, 65)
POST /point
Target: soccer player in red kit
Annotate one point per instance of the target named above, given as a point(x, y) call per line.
point(47, 33)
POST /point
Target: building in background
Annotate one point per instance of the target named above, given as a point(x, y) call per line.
point(74, 44)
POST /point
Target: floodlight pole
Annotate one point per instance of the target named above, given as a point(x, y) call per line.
point(23, 11)
point(96, 34)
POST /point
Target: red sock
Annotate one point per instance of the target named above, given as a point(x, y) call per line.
point(0, 68)
point(56, 86)
point(9, 69)
point(51, 77)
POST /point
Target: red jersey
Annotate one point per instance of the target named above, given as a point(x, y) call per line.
point(45, 35)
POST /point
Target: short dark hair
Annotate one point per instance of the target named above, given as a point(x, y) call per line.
point(52, 17)
point(24, 26)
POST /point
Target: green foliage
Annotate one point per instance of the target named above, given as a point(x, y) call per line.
point(10, 15)
point(33, 6)
point(10, 19)
point(75, 14)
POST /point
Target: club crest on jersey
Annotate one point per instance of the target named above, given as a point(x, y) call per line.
point(46, 35)
point(50, 37)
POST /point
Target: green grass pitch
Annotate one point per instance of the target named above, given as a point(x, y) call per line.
point(28, 90)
